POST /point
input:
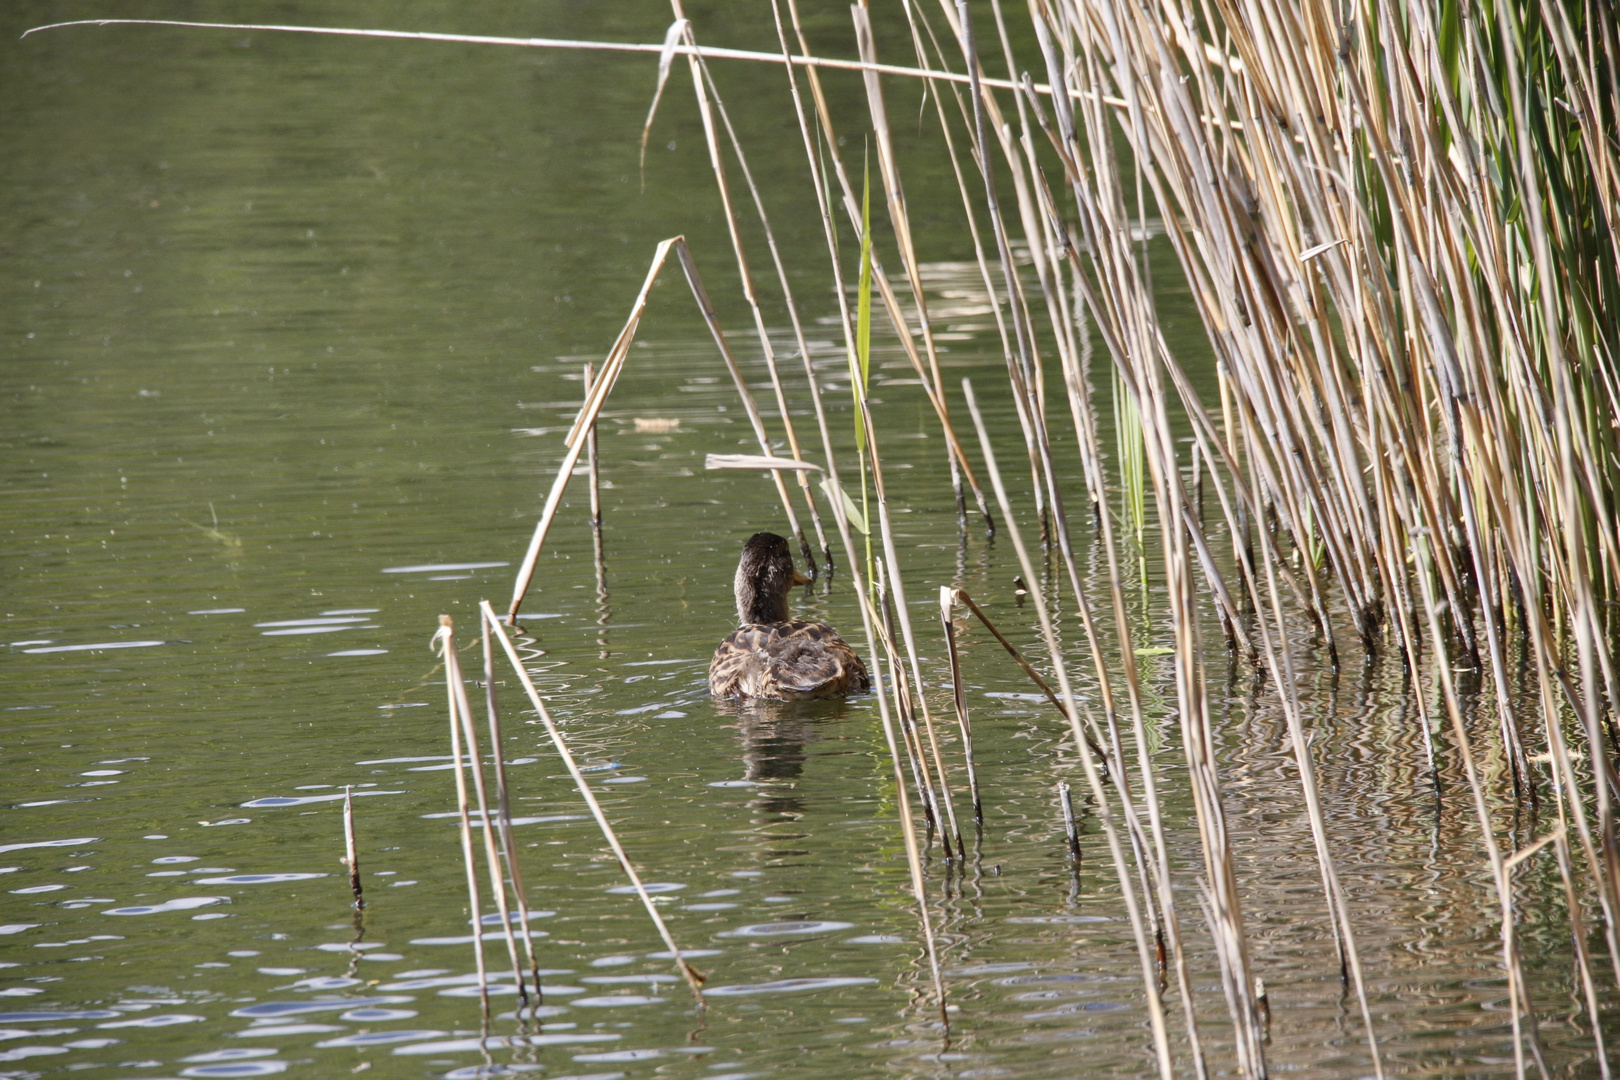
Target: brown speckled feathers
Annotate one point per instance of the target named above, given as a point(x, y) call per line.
point(771, 655)
point(787, 661)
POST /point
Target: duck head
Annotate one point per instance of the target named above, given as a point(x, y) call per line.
point(765, 575)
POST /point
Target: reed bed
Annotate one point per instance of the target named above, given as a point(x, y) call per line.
point(1400, 227)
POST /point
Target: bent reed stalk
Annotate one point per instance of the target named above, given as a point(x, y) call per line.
point(1400, 227)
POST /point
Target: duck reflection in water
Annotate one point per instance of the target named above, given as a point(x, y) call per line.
point(774, 738)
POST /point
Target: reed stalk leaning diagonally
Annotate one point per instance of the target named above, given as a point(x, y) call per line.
point(463, 732)
point(693, 977)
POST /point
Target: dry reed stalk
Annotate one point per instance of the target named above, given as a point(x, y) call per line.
point(695, 281)
point(1522, 1013)
point(693, 977)
point(503, 805)
point(589, 379)
point(351, 857)
point(947, 600)
point(492, 858)
point(709, 102)
point(960, 468)
point(1105, 813)
point(443, 642)
point(871, 623)
point(708, 52)
point(1023, 361)
point(891, 565)
point(921, 773)
point(1279, 659)
point(1071, 830)
point(900, 223)
point(792, 311)
point(577, 438)
point(960, 596)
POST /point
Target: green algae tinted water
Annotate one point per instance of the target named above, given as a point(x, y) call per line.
point(291, 329)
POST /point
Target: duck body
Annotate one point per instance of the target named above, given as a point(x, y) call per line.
point(786, 661)
point(772, 656)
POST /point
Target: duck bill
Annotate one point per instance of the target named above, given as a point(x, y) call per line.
point(799, 578)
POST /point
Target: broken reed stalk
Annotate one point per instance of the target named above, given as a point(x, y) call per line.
point(960, 596)
point(351, 858)
point(442, 642)
point(693, 977)
point(959, 700)
point(612, 367)
point(503, 805)
point(1071, 828)
point(900, 224)
point(575, 440)
point(475, 763)
point(589, 379)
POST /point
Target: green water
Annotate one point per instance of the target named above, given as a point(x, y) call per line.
point(290, 331)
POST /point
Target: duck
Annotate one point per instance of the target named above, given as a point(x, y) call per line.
point(772, 656)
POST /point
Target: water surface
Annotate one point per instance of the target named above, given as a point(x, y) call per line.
point(291, 331)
